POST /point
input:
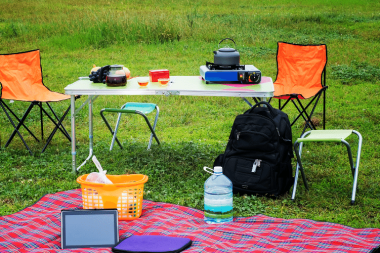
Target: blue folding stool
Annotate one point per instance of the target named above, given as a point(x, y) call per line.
point(134, 108)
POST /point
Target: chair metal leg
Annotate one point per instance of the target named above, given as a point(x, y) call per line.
point(295, 182)
point(324, 107)
point(42, 122)
point(299, 166)
point(256, 100)
point(312, 112)
point(14, 126)
point(20, 124)
point(109, 127)
point(303, 113)
point(154, 128)
point(57, 126)
point(150, 126)
point(283, 106)
point(302, 110)
point(57, 123)
point(250, 105)
point(115, 131)
point(355, 170)
point(4, 105)
point(349, 153)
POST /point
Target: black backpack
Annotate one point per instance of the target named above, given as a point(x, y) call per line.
point(258, 155)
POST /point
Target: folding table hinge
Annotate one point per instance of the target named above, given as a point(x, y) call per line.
point(167, 92)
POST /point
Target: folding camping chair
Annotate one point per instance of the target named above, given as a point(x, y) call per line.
point(301, 74)
point(330, 136)
point(132, 108)
point(21, 80)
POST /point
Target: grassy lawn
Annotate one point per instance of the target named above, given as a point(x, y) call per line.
point(180, 36)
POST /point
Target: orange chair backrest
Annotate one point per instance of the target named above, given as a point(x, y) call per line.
point(299, 69)
point(21, 78)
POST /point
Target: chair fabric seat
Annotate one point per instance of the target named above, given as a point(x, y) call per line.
point(326, 135)
point(142, 107)
point(282, 91)
point(38, 93)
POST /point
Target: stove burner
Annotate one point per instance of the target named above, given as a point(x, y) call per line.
point(212, 66)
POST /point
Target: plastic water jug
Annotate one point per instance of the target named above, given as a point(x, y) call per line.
point(218, 197)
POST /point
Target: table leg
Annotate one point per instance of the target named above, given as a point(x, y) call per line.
point(90, 117)
point(90, 101)
point(73, 144)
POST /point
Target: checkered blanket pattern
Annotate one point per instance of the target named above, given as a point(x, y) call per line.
point(37, 229)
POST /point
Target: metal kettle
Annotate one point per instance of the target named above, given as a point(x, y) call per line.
point(226, 56)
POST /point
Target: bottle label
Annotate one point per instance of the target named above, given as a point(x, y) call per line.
point(218, 206)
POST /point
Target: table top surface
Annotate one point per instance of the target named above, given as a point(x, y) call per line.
point(179, 85)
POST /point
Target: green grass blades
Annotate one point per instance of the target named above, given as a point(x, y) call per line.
point(180, 36)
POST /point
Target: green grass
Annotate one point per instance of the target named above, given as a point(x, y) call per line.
point(180, 36)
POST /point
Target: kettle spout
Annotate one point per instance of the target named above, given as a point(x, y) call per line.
point(215, 52)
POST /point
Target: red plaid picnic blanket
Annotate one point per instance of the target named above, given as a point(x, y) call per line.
point(37, 229)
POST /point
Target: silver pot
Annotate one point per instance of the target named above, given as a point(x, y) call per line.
point(226, 56)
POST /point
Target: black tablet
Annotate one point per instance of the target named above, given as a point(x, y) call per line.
point(89, 228)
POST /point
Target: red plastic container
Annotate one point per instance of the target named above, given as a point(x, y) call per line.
point(154, 75)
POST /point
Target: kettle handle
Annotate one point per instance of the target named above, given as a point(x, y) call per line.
point(226, 39)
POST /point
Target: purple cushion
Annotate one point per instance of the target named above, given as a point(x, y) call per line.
point(152, 243)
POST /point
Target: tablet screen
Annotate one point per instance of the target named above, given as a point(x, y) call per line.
point(89, 228)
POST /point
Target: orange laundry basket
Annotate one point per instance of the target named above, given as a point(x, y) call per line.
point(125, 194)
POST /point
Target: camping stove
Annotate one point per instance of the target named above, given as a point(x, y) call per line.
point(247, 74)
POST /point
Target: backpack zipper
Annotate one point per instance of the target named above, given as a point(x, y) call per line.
point(256, 164)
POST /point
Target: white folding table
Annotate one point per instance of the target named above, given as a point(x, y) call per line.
point(179, 85)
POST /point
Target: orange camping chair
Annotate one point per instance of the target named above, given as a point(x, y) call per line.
point(301, 74)
point(21, 80)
